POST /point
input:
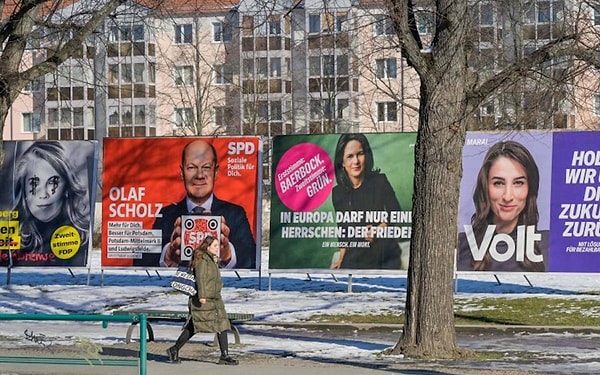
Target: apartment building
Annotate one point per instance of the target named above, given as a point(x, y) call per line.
point(229, 67)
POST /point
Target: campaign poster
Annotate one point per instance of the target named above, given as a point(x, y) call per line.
point(575, 211)
point(149, 183)
point(46, 203)
point(341, 201)
point(504, 205)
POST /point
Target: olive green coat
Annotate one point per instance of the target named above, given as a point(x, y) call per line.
point(210, 316)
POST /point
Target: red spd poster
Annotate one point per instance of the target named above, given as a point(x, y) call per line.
point(150, 183)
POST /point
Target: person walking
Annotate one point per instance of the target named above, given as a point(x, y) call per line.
point(206, 308)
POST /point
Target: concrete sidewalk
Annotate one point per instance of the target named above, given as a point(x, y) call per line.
point(289, 367)
point(199, 358)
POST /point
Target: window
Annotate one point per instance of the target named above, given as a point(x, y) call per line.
point(140, 114)
point(275, 67)
point(319, 109)
point(138, 72)
point(261, 67)
point(342, 65)
point(248, 68)
point(314, 23)
point(486, 14)
point(343, 109)
point(53, 118)
point(314, 66)
point(183, 34)
point(387, 111)
point(152, 72)
point(544, 11)
point(327, 109)
point(222, 115)
point(223, 75)
point(127, 116)
point(183, 117)
point(113, 115)
point(113, 34)
point(66, 120)
point(126, 75)
point(383, 25)
point(596, 17)
point(328, 65)
point(424, 22)
point(276, 111)
point(113, 73)
point(221, 32)
point(138, 32)
point(77, 117)
point(77, 78)
point(340, 22)
point(263, 110)
point(543, 15)
point(126, 33)
point(274, 26)
point(31, 122)
point(184, 75)
point(89, 117)
point(386, 68)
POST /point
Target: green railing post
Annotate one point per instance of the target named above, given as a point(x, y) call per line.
point(143, 328)
point(104, 319)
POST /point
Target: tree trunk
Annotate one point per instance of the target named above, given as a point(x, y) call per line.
point(5, 104)
point(429, 323)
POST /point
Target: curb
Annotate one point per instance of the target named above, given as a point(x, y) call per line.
point(462, 328)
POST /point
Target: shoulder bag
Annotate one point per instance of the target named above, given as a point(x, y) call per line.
point(184, 281)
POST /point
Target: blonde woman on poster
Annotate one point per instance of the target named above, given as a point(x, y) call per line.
point(53, 207)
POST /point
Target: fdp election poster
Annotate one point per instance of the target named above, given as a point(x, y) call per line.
point(341, 201)
point(529, 202)
point(46, 203)
point(149, 183)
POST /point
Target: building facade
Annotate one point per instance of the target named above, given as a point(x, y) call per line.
point(240, 68)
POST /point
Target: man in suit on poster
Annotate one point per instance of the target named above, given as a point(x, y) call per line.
point(199, 167)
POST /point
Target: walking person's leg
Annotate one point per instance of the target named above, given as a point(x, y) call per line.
point(186, 334)
point(225, 358)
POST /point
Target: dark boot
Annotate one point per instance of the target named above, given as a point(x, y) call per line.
point(184, 336)
point(173, 354)
point(225, 358)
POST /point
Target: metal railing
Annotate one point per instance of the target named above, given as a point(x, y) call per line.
point(141, 319)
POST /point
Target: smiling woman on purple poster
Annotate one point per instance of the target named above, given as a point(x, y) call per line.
point(503, 234)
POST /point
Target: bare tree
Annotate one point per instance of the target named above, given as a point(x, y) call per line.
point(64, 24)
point(196, 94)
point(451, 93)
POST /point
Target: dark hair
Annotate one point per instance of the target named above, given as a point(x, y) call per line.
point(202, 248)
point(484, 215)
point(340, 174)
point(212, 148)
point(75, 207)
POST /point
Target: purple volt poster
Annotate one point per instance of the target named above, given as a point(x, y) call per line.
point(504, 202)
point(575, 208)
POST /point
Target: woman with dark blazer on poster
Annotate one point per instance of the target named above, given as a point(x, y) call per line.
point(206, 308)
point(362, 187)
